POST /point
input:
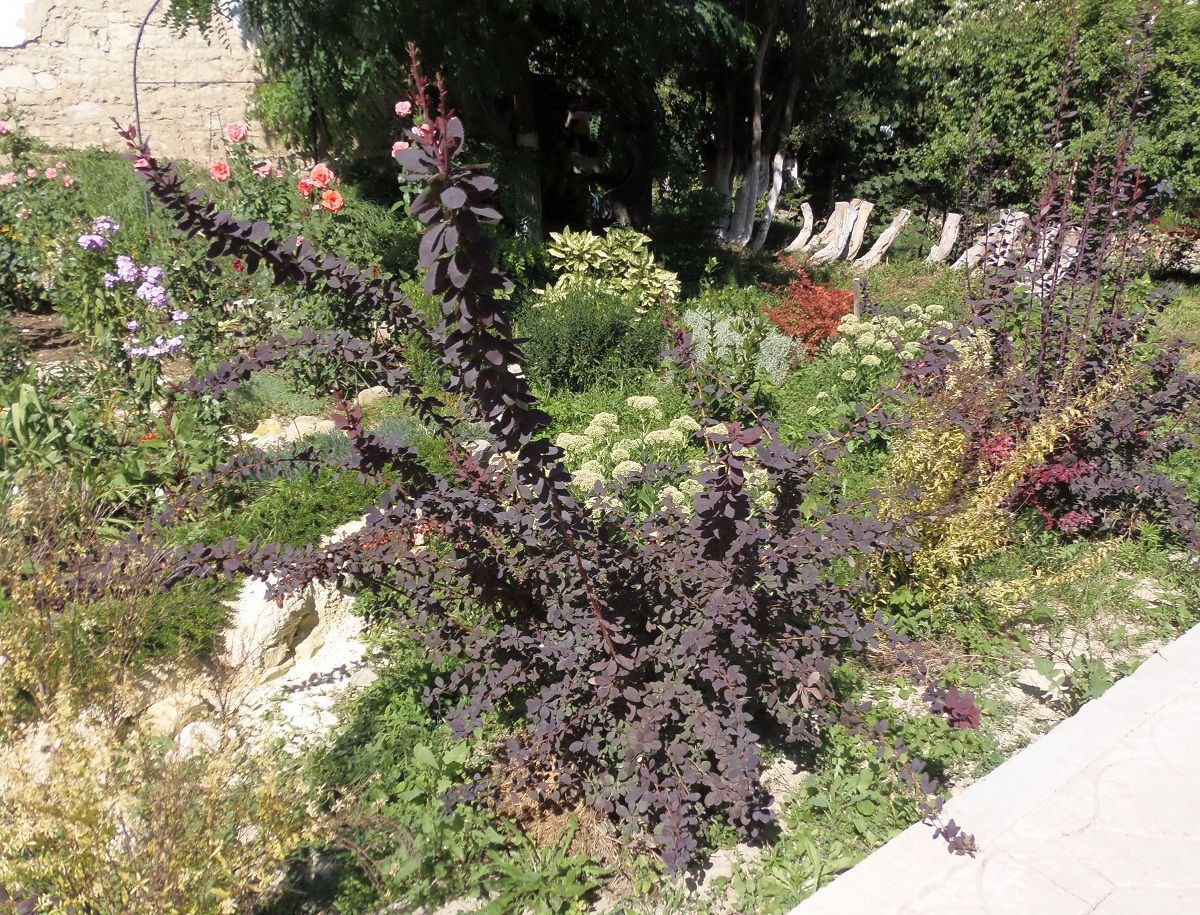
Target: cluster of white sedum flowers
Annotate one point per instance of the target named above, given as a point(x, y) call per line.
point(869, 347)
point(611, 449)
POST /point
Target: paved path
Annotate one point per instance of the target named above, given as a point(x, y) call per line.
point(1101, 815)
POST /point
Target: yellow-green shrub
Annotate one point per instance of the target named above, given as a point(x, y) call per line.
point(130, 826)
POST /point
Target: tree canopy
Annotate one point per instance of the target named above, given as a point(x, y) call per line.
point(587, 105)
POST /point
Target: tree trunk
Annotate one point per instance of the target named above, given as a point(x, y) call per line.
point(743, 221)
point(883, 242)
point(945, 245)
point(760, 237)
point(805, 233)
point(525, 116)
point(781, 125)
point(722, 179)
point(740, 205)
point(860, 229)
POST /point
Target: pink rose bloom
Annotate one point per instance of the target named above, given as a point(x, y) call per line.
point(403, 109)
point(68, 181)
point(8, 178)
point(321, 175)
point(52, 173)
point(399, 146)
point(219, 170)
point(263, 169)
point(60, 164)
point(31, 173)
point(235, 132)
point(4, 128)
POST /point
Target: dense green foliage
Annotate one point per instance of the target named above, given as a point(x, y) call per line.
point(897, 101)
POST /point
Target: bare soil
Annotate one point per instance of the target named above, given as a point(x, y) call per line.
point(47, 339)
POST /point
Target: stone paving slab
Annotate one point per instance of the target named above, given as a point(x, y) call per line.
point(1101, 815)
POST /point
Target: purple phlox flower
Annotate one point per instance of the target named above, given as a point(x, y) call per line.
point(110, 280)
point(179, 316)
point(90, 242)
point(127, 270)
point(153, 275)
point(162, 346)
point(105, 225)
point(155, 295)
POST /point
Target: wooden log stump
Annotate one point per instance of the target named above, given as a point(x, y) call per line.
point(840, 209)
point(884, 241)
point(860, 230)
point(805, 233)
point(837, 243)
point(945, 244)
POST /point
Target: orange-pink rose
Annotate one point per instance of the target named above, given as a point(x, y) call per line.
point(321, 175)
point(235, 132)
point(399, 146)
point(332, 201)
point(219, 170)
point(305, 187)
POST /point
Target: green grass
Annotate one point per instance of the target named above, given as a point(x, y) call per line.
point(271, 394)
point(1181, 320)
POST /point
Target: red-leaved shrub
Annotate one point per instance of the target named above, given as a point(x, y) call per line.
point(807, 311)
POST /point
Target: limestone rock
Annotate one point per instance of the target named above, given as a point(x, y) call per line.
point(172, 714)
point(197, 737)
point(373, 395)
point(293, 659)
point(275, 431)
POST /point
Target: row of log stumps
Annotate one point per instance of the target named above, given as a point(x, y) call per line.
point(842, 237)
point(1011, 238)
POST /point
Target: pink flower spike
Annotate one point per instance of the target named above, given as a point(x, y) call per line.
point(235, 132)
point(403, 109)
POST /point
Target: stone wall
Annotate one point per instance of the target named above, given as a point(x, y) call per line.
point(69, 70)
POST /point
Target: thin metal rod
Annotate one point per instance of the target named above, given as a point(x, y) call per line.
point(137, 108)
